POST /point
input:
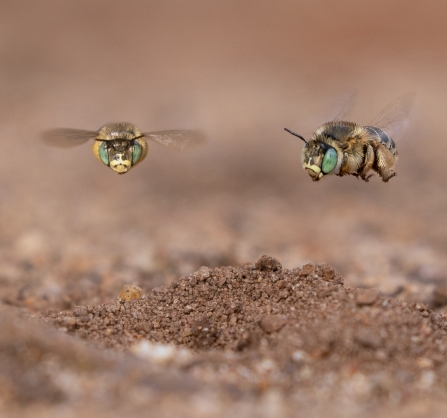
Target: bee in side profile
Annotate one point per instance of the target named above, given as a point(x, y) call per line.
point(346, 148)
point(121, 146)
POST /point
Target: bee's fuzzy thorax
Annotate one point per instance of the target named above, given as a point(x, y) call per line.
point(120, 130)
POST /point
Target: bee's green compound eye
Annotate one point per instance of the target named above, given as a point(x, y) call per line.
point(137, 150)
point(329, 161)
point(103, 154)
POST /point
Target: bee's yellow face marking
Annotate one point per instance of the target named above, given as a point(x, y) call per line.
point(120, 164)
point(313, 167)
point(313, 170)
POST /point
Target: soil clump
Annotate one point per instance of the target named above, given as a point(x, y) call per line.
point(260, 326)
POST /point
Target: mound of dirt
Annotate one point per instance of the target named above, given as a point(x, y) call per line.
point(260, 326)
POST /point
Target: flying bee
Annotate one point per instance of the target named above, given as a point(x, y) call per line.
point(346, 148)
point(121, 146)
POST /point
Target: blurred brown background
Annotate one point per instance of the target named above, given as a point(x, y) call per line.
point(241, 71)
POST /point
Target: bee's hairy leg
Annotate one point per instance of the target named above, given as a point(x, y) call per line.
point(384, 163)
point(366, 178)
point(367, 164)
point(390, 177)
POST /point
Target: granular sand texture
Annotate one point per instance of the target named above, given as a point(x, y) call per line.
point(259, 325)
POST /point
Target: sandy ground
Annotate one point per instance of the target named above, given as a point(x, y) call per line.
point(72, 232)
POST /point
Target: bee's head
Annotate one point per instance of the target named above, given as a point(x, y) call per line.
point(119, 155)
point(318, 156)
point(318, 159)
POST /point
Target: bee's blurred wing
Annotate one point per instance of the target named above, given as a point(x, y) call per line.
point(395, 118)
point(338, 109)
point(343, 105)
point(67, 138)
point(177, 140)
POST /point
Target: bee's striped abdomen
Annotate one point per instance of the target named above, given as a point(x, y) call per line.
point(383, 138)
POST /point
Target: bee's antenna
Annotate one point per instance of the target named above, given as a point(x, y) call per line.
point(294, 133)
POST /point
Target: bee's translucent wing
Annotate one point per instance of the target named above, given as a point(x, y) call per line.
point(395, 118)
point(67, 138)
point(178, 139)
point(343, 105)
point(337, 109)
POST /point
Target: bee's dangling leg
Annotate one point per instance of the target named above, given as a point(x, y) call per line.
point(390, 177)
point(367, 164)
point(384, 163)
point(366, 178)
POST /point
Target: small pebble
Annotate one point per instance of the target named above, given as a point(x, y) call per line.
point(204, 272)
point(366, 296)
point(272, 323)
point(307, 269)
point(160, 353)
point(300, 356)
point(130, 292)
point(425, 363)
point(267, 263)
point(368, 338)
